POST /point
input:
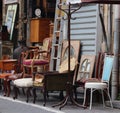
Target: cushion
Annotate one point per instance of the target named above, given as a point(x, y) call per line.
point(23, 82)
point(36, 62)
point(64, 65)
point(96, 85)
point(38, 80)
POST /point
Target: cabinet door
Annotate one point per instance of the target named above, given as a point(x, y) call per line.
point(34, 30)
point(39, 29)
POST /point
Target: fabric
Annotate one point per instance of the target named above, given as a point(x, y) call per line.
point(38, 80)
point(35, 62)
point(23, 82)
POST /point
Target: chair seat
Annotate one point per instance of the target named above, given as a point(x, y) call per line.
point(36, 62)
point(95, 85)
point(23, 82)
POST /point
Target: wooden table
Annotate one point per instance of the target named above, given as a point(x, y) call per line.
point(6, 65)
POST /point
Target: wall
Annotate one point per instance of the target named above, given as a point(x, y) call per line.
point(87, 28)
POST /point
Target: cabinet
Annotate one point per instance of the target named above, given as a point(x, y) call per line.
point(39, 29)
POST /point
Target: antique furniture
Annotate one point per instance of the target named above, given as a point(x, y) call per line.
point(6, 67)
point(39, 29)
point(57, 81)
point(40, 58)
point(88, 64)
point(103, 84)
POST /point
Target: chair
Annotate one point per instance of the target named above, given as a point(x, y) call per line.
point(57, 80)
point(41, 56)
point(18, 72)
point(102, 85)
point(84, 72)
point(37, 58)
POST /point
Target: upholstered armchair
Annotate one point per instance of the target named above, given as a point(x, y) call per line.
point(40, 58)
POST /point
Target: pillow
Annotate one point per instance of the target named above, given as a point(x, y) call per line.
point(64, 65)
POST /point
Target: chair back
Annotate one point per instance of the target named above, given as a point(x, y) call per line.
point(46, 46)
point(107, 68)
point(99, 65)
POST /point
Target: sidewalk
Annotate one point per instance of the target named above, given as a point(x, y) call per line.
point(8, 105)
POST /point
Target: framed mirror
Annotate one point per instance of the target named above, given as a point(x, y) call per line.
point(86, 67)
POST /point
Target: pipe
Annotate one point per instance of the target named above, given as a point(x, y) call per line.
point(114, 84)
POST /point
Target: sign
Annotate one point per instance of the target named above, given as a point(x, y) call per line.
point(10, 1)
point(73, 1)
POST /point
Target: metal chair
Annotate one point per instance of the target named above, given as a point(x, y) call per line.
point(102, 85)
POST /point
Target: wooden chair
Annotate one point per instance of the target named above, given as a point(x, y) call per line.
point(39, 58)
point(56, 81)
point(18, 72)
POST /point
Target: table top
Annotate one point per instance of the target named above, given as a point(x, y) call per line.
point(4, 75)
point(9, 60)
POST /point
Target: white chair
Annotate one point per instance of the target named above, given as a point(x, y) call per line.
point(102, 85)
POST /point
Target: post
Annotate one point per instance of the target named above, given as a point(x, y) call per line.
point(115, 72)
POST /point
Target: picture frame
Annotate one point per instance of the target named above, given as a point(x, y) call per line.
point(10, 18)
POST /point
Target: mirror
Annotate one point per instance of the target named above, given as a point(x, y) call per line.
point(86, 67)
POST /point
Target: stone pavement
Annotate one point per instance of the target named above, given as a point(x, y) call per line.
point(8, 105)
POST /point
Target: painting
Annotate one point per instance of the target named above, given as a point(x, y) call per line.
point(10, 18)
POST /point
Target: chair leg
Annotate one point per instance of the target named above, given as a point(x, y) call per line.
point(34, 95)
point(15, 92)
point(84, 97)
point(28, 93)
point(103, 98)
point(109, 97)
point(44, 94)
point(91, 90)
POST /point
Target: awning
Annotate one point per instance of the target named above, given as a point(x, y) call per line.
point(101, 1)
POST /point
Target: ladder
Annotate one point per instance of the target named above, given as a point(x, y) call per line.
point(57, 38)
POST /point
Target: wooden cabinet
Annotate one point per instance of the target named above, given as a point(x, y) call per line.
point(39, 29)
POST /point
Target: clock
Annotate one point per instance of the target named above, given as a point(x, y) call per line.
point(38, 12)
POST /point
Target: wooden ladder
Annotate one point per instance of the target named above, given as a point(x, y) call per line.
point(57, 38)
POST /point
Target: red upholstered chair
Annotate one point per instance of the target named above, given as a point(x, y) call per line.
point(40, 58)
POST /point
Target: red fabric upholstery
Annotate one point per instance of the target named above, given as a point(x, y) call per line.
point(36, 62)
